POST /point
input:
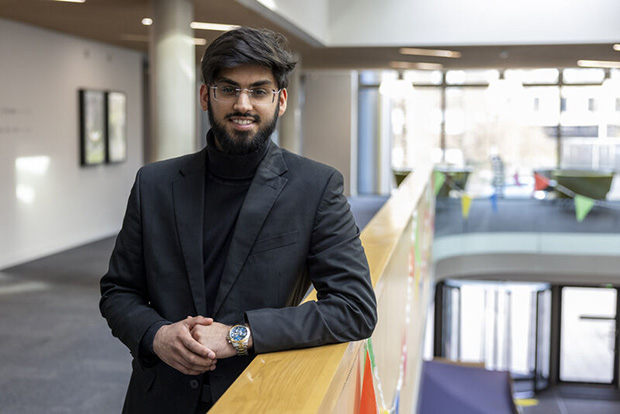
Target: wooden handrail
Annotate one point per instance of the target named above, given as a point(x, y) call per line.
point(328, 379)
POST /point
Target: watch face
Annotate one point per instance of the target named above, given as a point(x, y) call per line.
point(238, 333)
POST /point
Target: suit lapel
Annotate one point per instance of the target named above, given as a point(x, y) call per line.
point(262, 194)
point(188, 195)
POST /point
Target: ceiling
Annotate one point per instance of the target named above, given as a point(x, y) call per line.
point(118, 22)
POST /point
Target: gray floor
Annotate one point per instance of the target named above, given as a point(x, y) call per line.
point(576, 400)
point(57, 354)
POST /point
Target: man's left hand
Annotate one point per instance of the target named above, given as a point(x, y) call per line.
point(214, 337)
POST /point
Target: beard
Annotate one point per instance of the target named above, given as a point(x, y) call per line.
point(242, 142)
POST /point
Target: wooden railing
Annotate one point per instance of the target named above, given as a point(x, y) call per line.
point(328, 379)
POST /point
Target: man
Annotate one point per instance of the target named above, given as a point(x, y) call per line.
point(218, 248)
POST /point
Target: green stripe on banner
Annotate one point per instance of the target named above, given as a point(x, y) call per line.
point(439, 179)
point(371, 353)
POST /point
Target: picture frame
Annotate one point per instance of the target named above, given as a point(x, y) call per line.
point(92, 127)
point(116, 127)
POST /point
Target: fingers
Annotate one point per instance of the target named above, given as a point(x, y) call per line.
point(197, 320)
point(175, 346)
point(197, 348)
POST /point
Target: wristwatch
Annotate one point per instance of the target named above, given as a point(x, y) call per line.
point(239, 337)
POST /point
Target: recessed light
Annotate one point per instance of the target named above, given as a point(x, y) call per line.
point(147, 21)
point(72, 1)
point(617, 47)
point(416, 65)
point(212, 26)
point(598, 64)
point(429, 52)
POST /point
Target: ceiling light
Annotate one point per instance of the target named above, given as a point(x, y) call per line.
point(598, 64)
point(617, 47)
point(72, 1)
point(200, 42)
point(147, 21)
point(212, 26)
point(429, 52)
point(416, 65)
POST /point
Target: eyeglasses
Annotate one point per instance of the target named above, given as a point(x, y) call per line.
point(257, 96)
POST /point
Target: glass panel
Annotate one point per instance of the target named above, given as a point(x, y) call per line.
point(583, 75)
point(370, 77)
point(497, 326)
point(465, 77)
point(533, 76)
point(473, 322)
point(424, 124)
point(423, 77)
point(513, 129)
point(590, 127)
point(587, 335)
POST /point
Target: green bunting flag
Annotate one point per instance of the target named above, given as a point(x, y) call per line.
point(439, 179)
point(583, 205)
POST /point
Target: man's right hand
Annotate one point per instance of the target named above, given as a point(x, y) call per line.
point(175, 345)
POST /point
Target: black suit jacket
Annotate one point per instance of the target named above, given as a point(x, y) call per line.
point(294, 229)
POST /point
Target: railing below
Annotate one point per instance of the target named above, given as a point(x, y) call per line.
point(329, 379)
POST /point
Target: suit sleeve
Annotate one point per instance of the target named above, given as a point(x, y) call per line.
point(345, 309)
point(124, 294)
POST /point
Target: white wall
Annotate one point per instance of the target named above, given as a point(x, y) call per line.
point(330, 122)
point(476, 22)
point(40, 74)
point(306, 19)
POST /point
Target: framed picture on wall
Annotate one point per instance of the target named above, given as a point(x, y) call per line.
point(92, 127)
point(116, 104)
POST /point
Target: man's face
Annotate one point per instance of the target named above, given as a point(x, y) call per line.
point(242, 126)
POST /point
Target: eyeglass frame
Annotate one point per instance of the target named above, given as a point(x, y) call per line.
point(248, 91)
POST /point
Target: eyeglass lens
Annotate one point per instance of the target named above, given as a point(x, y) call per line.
point(229, 94)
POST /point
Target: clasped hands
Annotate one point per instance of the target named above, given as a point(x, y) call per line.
point(193, 345)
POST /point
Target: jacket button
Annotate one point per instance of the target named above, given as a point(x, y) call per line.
point(194, 384)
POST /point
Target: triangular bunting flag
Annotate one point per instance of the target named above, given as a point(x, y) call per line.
point(493, 199)
point(465, 205)
point(540, 182)
point(368, 403)
point(439, 179)
point(583, 205)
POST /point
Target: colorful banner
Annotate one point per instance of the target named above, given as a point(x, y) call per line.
point(583, 204)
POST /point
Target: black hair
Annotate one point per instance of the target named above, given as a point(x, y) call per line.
point(247, 45)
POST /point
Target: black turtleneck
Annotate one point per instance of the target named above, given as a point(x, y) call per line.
point(228, 178)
